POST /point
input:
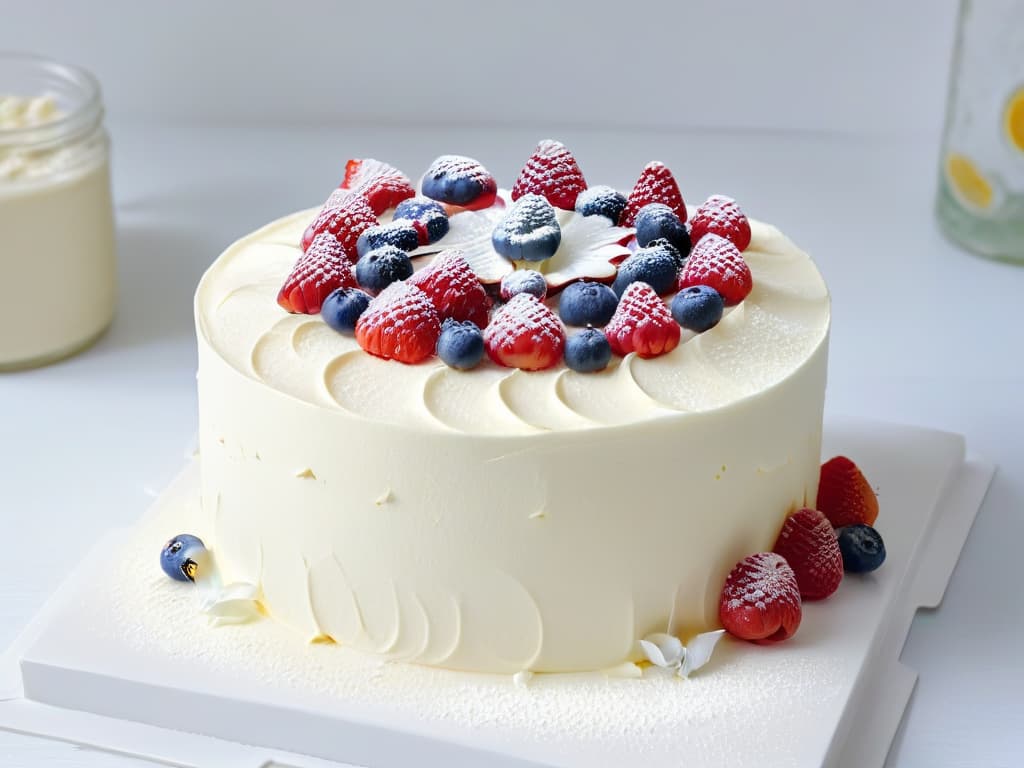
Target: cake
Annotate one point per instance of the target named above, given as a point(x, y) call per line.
point(526, 496)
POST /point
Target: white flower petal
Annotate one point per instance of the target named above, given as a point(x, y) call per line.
point(589, 243)
point(522, 678)
point(235, 604)
point(699, 650)
point(663, 650)
point(470, 232)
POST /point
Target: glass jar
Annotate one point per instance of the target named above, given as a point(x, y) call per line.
point(980, 202)
point(57, 244)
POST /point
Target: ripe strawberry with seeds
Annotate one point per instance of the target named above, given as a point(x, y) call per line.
point(642, 323)
point(383, 185)
point(317, 272)
point(400, 324)
point(809, 545)
point(761, 599)
point(345, 215)
point(716, 262)
point(553, 173)
point(844, 495)
point(525, 334)
point(655, 185)
point(720, 215)
point(454, 288)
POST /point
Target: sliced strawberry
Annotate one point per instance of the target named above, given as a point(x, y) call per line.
point(716, 262)
point(844, 495)
point(454, 288)
point(761, 599)
point(322, 268)
point(553, 173)
point(525, 334)
point(345, 215)
point(809, 545)
point(383, 185)
point(655, 185)
point(400, 324)
point(720, 215)
point(642, 323)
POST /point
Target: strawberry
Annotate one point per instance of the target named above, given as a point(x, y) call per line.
point(525, 334)
point(844, 495)
point(717, 263)
point(655, 185)
point(809, 545)
point(345, 215)
point(322, 268)
point(383, 185)
point(551, 172)
point(454, 288)
point(720, 215)
point(642, 323)
point(761, 599)
point(400, 324)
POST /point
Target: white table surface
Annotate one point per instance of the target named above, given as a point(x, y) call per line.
point(922, 333)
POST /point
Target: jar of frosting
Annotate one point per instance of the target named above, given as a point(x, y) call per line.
point(57, 245)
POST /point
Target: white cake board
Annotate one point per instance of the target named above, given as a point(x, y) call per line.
point(136, 671)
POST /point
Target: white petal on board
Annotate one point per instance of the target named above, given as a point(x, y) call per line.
point(235, 604)
point(699, 650)
point(589, 243)
point(470, 232)
point(663, 650)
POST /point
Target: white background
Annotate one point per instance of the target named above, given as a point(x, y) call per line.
point(819, 116)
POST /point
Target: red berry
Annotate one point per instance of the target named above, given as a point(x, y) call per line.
point(642, 323)
point(454, 288)
point(720, 215)
point(345, 215)
point(655, 185)
point(400, 324)
point(844, 495)
point(525, 334)
point(383, 185)
point(322, 268)
point(553, 173)
point(716, 262)
point(809, 545)
point(761, 599)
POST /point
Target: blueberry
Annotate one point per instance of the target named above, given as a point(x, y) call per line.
point(401, 234)
point(587, 351)
point(379, 268)
point(698, 308)
point(429, 213)
point(461, 344)
point(529, 231)
point(680, 256)
point(524, 281)
point(181, 556)
point(656, 265)
point(655, 221)
point(601, 201)
point(342, 308)
point(862, 547)
point(587, 304)
point(460, 181)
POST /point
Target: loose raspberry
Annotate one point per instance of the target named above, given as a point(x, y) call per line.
point(383, 185)
point(655, 185)
point(345, 215)
point(320, 270)
point(553, 173)
point(844, 495)
point(400, 324)
point(761, 599)
point(642, 323)
point(716, 262)
point(720, 215)
point(525, 334)
point(809, 545)
point(454, 288)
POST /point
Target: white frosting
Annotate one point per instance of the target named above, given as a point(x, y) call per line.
point(499, 520)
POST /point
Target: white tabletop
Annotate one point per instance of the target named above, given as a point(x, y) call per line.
point(922, 333)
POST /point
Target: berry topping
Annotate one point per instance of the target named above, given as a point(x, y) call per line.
point(379, 268)
point(720, 215)
point(697, 308)
point(655, 185)
point(524, 281)
point(454, 289)
point(460, 181)
point(553, 173)
point(461, 344)
point(181, 556)
point(587, 303)
point(345, 215)
point(642, 324)
point(383, 185)
point(657, 221)
point(808, 543)
point(400, 324)
point(529, 231)
point(716, 262)
point(656, 265)
point(587, 351)
point(401, 234)
point(322, 268)
point(428, 216)
point(844, 495)
point(601, 201)
point(342, 308)
point(761, 599)
point(525, 334)
point(862, 548)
